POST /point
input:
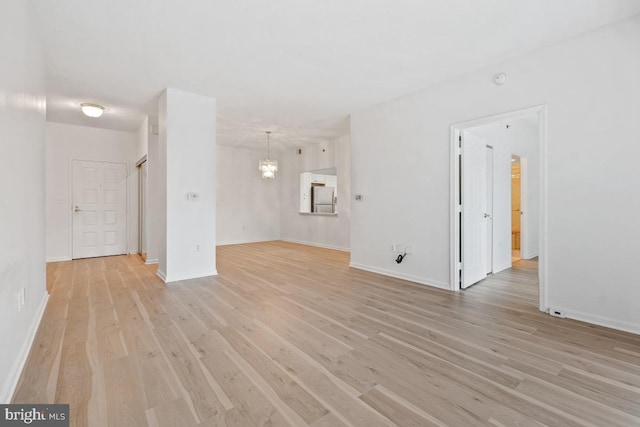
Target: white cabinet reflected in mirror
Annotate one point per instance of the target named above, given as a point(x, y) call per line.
point(319, 192)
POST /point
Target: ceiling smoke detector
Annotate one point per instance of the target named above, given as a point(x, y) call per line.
point(499, 78)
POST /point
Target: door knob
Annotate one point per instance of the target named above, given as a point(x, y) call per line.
point(486, 215)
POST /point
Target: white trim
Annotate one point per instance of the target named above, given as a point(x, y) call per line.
point(151, 261)
point(455, 130)
point(525, 185)
point(319, 245)
point(190, 276)
point(542, 233)
point(455, 209)
point(58, 259)
point(606, 322)
point(319, 213)
point(14, 375)
point(70, 209)
point(161, 275)
point(141, 213)
point(527, 111)
point(141, 161)
point(395, 274)
point(128, 207)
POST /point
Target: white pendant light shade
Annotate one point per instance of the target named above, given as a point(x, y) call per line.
point(92, 110)
point(266, 166)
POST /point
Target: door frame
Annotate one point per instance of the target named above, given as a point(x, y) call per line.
point(71, 199)
point(142, 208)
point(454, 230)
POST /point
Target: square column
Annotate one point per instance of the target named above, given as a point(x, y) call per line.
point(187, 170)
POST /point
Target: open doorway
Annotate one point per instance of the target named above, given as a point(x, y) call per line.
point(488, 226)
point(516, 208)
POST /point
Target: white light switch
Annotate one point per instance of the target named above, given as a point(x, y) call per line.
point(193, 196)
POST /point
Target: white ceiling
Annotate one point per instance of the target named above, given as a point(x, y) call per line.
point(296, 67)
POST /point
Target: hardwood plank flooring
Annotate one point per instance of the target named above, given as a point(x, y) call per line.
point(288, 334)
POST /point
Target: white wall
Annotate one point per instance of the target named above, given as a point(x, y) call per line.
point(142, 139)
point(155, 200)
point(70, 142)
point(188, 144)
point(318, 230)
point(158, 185)
point(248, 207)
point(520, 138)
point(589, 85)
point(22, 138)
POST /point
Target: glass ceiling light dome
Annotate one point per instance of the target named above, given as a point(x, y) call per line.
point(92, 110)
point(266, 166)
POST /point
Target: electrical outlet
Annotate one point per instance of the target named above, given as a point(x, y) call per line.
point(197, 248)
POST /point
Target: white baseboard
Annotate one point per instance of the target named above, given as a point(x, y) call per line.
point(403, 276)
point(165, 279)
point(633, 328)
point(319, 245)
point(161, 275)
point(151, 261)
point(242, 242)
point(171, 279)
point(58, 259)
point(12, 382)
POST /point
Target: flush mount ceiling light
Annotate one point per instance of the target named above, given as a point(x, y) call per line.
point(266, 166)
point(92, 110)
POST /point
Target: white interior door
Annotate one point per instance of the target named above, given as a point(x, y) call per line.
point(99, 209)
point(474, 209)
point(489, 209)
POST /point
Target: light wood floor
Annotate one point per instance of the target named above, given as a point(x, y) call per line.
point(290, 335)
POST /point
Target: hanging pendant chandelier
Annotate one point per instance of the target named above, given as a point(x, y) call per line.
point(266, 166)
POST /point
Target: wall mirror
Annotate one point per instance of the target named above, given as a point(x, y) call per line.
point(319, 192)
